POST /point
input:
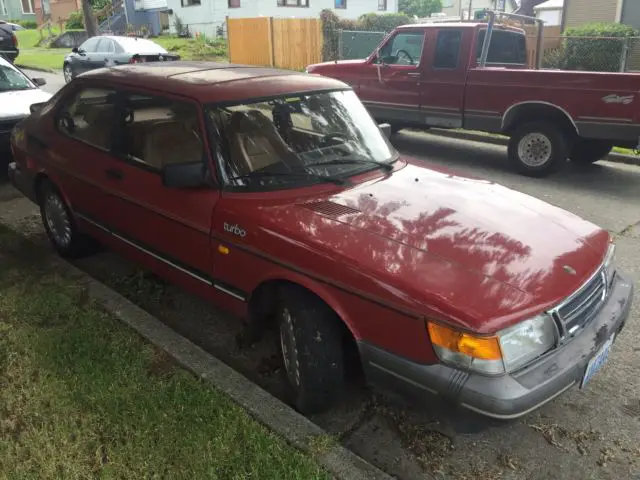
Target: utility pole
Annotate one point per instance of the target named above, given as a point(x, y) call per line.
point(89, 20)
point(470, 3)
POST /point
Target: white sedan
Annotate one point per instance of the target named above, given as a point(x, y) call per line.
point(17, 93)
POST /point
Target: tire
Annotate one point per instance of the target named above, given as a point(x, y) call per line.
point(60, 225)
point(311, 348)
point(587, 151)
point(537, 149)
point(67, 72)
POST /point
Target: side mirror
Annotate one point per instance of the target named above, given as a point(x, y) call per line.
point(39, 81)
point(385, 128)
point(34, 107)
point(75, 50)
point(184, 175)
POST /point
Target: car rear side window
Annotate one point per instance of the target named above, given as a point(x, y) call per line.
point(506, 47)
point(161, 131)
point(105, 46)
point(447, 49)
point(90, 116)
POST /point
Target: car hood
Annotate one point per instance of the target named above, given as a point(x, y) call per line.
point(458, 248)
point(335, 65)
point(16, 104)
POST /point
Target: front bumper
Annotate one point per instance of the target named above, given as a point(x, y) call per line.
point(22, 181)
point(513, 395)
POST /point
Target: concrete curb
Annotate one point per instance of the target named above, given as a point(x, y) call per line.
point(36, 69)
point(278, 417)
point(502, 141)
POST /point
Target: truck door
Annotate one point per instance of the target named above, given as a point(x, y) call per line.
point(443, 82)
point(390, 85)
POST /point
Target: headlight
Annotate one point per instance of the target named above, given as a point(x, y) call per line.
point(609, 264)
point(527, 340)
point(507, 351)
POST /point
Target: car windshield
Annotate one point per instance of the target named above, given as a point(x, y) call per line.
point(11, 79)
point(298, 140)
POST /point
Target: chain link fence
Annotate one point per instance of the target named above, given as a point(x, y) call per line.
point(595, 54)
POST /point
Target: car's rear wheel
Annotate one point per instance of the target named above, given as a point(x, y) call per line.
point(311, 346)
point(537, 149)
point(67, 72)
point(587, 151)
point(60, 225)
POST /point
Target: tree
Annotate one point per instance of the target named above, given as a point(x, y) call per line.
point(89, 20)
point(420, 8)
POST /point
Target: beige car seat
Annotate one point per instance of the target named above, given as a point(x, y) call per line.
point(100, 122)
point(171, 142)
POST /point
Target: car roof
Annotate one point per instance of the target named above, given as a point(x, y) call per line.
point(210, 82)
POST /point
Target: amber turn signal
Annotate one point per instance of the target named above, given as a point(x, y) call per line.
point(482, 348)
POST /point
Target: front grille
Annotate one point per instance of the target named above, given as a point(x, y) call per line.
point(583, 305)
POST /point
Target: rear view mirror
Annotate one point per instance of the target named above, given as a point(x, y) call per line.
point(184, 175)
point(385, 128)
point(75, 50)
point(39, 81)
point(34, 107)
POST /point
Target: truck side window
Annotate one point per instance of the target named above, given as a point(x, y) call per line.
point(403, 49)
point(506, 47)
point(447, 49)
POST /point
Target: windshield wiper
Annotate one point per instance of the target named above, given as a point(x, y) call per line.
point(345, 161)
point(324, 178)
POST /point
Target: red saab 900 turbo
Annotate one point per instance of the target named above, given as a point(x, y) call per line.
point(275, 195)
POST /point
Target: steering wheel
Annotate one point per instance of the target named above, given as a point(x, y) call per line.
point(406, 54)
point(330, 136)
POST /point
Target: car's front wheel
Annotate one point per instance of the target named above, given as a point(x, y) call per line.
point(60, 225)
point(67, 72)
point(537, 149)
point(311, 345)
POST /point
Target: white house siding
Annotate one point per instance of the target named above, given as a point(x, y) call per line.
point(452, 7)
point(205, 18)
point(150, 4)
point(550, 17)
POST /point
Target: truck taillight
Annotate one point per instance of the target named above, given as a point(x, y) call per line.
point(14, 39)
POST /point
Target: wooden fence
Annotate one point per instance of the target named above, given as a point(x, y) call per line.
point(551, 39)
point(291, 43)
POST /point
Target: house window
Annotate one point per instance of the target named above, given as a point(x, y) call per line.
point(382, 5)
point(27, 6)
point(293, 3)
point(234, 3)
point(340, 4)
point(188, 3)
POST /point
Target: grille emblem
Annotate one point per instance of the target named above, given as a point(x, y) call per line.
point(569, 270)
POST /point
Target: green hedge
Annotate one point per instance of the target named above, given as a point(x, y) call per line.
point(594, 47)
point(28, 24)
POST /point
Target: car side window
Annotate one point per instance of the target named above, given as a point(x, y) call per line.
point(105, 46)
point(90, 45)
point(91, 117)
point(161, 131)
point(405, 48)
point(447, 49)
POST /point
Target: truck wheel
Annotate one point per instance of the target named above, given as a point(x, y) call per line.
point(60, 225)
point(587, 151)
point(311, 346)
point(537, 149)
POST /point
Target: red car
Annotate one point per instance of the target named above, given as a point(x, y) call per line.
point(275, 195)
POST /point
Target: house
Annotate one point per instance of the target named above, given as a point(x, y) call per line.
point(550, 12)
point(24, 10)
point(462, 8)
point(579, 12)
point(209, 16)
point(136, 16)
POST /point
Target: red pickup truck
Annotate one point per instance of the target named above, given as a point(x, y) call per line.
point(446, 75)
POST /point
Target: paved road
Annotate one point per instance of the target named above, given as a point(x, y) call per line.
point(55, 81)
point(590, 434)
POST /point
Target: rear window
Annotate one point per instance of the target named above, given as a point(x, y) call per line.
point(505, 47)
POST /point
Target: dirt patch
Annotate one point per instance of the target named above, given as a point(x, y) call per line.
point(161, 364)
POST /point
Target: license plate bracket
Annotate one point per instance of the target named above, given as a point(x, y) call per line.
point(597, 361)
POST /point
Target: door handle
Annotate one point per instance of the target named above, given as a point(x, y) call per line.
point(414, 74)
point(114, 174)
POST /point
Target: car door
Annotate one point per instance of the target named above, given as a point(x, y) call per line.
point(80, 157)
point(166, 229)
point(443, 82)
point(81, 61)
point(104, 54)
point(390, 85)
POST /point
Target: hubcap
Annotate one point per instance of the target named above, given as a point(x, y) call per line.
point(57, 220)
point(289, 348)
point(67, 73)
point(535, 149)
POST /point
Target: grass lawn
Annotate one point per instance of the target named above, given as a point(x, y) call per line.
point(51, 58)
point(82, 396)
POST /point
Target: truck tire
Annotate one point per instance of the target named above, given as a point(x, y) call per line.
point(60, 226)
point(587, 151)
point(537, 149)
point(311, 348)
